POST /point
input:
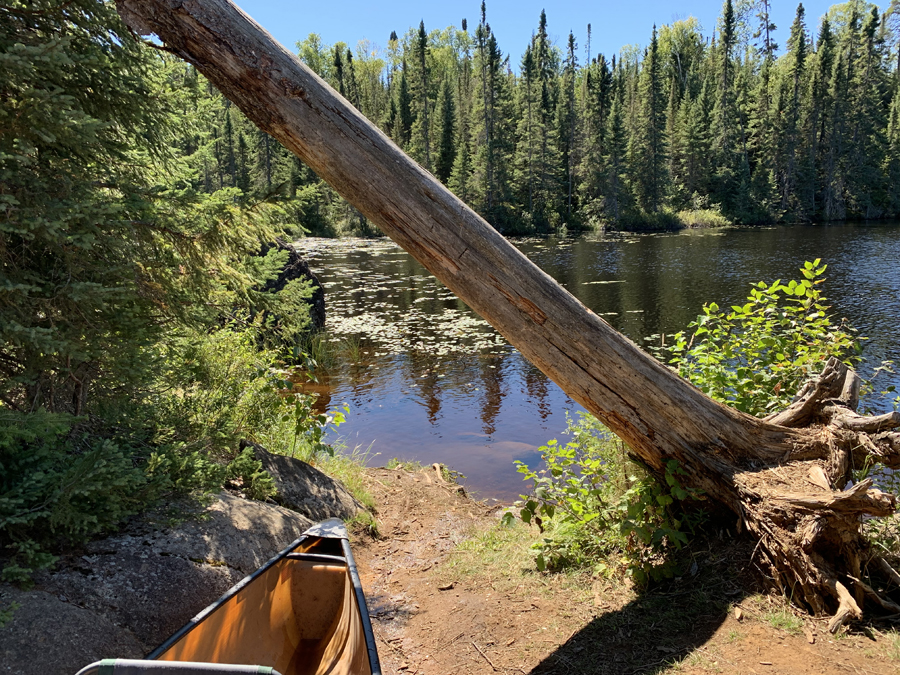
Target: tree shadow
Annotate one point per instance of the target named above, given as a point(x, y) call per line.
point(666, 623)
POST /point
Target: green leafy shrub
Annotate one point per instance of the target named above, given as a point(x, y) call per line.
point(756, 356)
point(595, 504)
point(59, 483)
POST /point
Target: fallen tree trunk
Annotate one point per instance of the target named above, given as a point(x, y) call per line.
point(782, 480)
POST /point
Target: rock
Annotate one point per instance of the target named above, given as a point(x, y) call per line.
point(129, 592)
point(297, 268)
point(240, 533)
point(304, 488)
point(141, 589)
point(47, 636)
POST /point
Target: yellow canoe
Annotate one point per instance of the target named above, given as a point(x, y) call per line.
point(302, 613)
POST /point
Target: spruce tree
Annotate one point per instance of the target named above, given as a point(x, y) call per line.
point(404, 119)
point(726, 156)
point(788, 132)
point(617, 197)
point(647, 150)
point(105, 248)
point(866, 156)
point(597, 99)
point(567, 124)
point(446, 116)
point(420, 145)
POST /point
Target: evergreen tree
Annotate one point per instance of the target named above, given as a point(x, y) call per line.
point(724, 117)
point(816, 120)
point(446, 115)
point(567, 125)
point(788, 106)
point(338, 71)
point(420, 145)
point(597, 99)
point(616, 194)
point(352, 85)
point(866, 156)
point(647, 150)
point(105, 248)
point(404, 119)
point(529, 131)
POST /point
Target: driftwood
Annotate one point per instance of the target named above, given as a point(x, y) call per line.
point(783, 478)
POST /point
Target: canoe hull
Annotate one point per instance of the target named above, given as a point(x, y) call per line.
point(302, 613)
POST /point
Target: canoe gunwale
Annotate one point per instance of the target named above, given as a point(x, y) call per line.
point(371, 647)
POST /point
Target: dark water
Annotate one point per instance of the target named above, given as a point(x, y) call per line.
point(432, 382)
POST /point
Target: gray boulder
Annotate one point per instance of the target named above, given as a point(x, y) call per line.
point(129, 592)
point(305, 489)
point(50, 635)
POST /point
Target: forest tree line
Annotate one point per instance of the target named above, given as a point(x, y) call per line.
point(692, 129)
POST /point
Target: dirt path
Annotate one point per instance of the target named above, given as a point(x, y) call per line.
point(444, 599)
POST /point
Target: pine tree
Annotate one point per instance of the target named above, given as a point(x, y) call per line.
point(866, 156)
point(420, 145)
point(788, 132)
point(352, 85)
point(105, 250)
point(528, 133)
point(338, 71)
point(492, 136)
point(567, 125)
point(647, 149)
point(596, 102)
point(816, 120)
point(446, 151)
point(892, 158)
point(724, 117)
point(617, 196)
point(760, 123)
point(404, 118)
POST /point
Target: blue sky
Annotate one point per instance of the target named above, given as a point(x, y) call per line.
point(613, 24)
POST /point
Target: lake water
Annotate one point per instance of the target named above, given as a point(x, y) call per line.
point(430, 381)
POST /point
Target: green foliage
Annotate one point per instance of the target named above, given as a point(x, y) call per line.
point(59, 482)
point(106, 244)
point(756, 356)
point(256, 481)
point(594, 504)
point(6, 614)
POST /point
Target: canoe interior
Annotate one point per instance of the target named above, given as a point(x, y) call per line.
point(299, 616)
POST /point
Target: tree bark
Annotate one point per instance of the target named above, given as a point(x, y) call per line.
point(778, 479)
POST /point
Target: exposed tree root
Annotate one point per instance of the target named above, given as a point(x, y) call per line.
point(809, 525)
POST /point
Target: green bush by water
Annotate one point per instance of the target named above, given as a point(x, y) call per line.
point(599, 508)
point(755, 357)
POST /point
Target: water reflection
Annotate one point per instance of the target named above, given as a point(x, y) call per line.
point(437, 384)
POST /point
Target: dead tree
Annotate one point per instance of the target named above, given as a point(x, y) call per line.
point(781, 477)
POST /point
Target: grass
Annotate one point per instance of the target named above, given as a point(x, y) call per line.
point(699, 218)
point(327, 351)
point(699, 659)
point(406, 465)
point(893, 645)
point(348, 466)
point(784, 619)
point(503, 555)
point(733, 636)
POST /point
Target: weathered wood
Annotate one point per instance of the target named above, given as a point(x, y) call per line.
point(734, 458)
